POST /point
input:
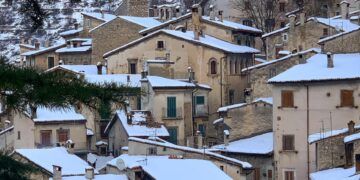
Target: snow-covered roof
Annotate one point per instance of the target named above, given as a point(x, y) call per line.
point(268, 100)
point(323, 135)
point(98, 177)
point(84, 69)
point(120, 79)
point(100, 161)
point(336, 174)
point(103, 17)
point(346, 66)
point(6, 130)
point(188, 36)
point(350, 14)
point(321, 41)
point(47, 115)
point(352, 137)
point(341, 24)
point(164, 168)
point(159, 61)
point(315, 50)
point(43, 50)
point(284, 52)
point(80, 49)
point(99, 143)
point(231, 24)
point(70, 32)
point(193, 150)
point(138, 128)
point(260, 144)
point(161, 82)
point(218, 120)
point(46, 158)
point(146, 22)
point(260, 60)
point(233, 106)
point(85, 41)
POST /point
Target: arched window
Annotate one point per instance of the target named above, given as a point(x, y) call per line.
point(213, 66)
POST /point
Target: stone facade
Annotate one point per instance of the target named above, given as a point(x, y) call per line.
point(330, 152)
point(134, 8)
point(76, 58)
point(346, 43)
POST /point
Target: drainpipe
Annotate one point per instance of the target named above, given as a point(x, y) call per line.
point(221, 79)
point(307, 130)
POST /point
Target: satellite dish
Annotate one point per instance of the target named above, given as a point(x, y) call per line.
point(120, 164)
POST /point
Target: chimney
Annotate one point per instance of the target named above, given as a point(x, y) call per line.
point(69, 144)
point(178, 13)
point(221, 16)
point(129, 118)
point(301, 59)
point(37, 45)
point(89, 173)
point(76, 26)
point(102, 14)
point(344, 5)
point(292, 22)
point(47, 43)
point(191, 74)
point(61, 62)
point(99, 68)
point(302, 19)
point(144, 74)
point(330, 60)
point(351, 127)
point(226, 137)
point(68, 44)
point(56, 172)
point(196, 20)
point(212, 13)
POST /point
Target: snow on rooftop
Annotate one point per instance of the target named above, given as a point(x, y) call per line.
point(212, 42)
point(322, 135)
point(120, 79)
point(352, 137)
point(337, 35)
point(70, 32)
point(105, 17)
point(218, 120)
point(84, 69)
point(137, 129)
point(42, 50)
point(163, 168)
point(226, 108)
point(268, 100)
point(46, 158)
point(341, 24)
point(74, 49)
point(260, 60)
point(185, 148)
point(45, 115)
point(346, 66)
point(284, 52)
point(260, 144)
point(146, 22)
point(100, 161)
point(335, 174)
point(98, 177)
point(158, 82)
point(232, 25)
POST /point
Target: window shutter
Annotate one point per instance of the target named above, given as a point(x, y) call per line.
point(288, 142)
point(171, 107)
point(287, 99)
point(347, 98)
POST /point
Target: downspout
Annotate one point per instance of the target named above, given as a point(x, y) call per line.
point(221, 79)
point(307, 130)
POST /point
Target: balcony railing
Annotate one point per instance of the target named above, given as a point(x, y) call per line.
point(201, 110)
point(172, 113)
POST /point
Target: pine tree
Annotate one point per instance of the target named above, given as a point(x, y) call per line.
point(31, 11)
point(11, 169)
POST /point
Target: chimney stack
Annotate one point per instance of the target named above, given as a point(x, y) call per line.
point(57, 172)
point(292, 22)
point(102, 14)
point(330, 60)
point(226, 137)
point(61, 62)
point(89, 173)
point(212, 13)
point(301, 59)
point(351, 127)
point(196, 16)
point(128, 78)
point(76, 26)
point(344, 5)
point(221, 16)
point(302, 19)
point(37, 45)
point(191, 74)
point(99, 68)
point(178, 13)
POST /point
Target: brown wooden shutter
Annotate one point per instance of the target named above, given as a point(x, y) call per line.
point(257, 174)
point(45, 137)
point(289, 175)
point(347, 98)
point(287, 99)
point(269, 174)
point(288, 142)
point(63, 136)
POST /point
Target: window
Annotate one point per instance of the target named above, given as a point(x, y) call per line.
point(132, 68)
point(18, 135)
point(256, 174)
point(160, 45)
point(347, 98)
point(270, 174)
point(287, 99)
point(285, 37)
point(282, 7)
point(152, 150)
point(200, 100)
point(288, 142)
point(282, 24)
point(213, 67)
point(222, 168)
point(45, 137)
point(231, 96)
point(50, 62)
point(63, 135)
point(289, 175)
point(325, 32)
point(171, 107)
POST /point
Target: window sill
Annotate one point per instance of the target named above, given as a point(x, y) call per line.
point(351, 107)
point(160, 49)
point(281, 107)
point(172, 118)
point(288, 151)
point(213, 75)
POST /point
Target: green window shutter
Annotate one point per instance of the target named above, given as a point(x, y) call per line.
point(200, 100)
point(171, 106)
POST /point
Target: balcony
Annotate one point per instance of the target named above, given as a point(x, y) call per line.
point(201, 111)
point(172, 113)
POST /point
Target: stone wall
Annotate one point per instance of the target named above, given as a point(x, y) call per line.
point(76, 58)
point(330, 152)
point(348, 43)
point(134, 8)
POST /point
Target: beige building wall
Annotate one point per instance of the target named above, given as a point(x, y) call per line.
point(88, 24)
point(118, 138)
point(41, 61)
point(26, 127)
point(83, 58)
point(293, 121)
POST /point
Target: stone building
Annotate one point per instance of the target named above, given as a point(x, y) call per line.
point(345, 42)
point(320, 94)
point(117, 32)
point(138, 8)
point(305, 33)
point(77, 52)
point(259, 74)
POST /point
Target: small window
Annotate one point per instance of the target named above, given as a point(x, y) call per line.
point(269, 174)
point(103, 150)
point(164, 148)
point(285, 37)
point(287, 99)
point(132, 68)
point(270, 5)
point(160, 45)
point(18, 135)
point(152, 151)
point(282, 7)
point(213, 67)
point(200, 100)
point(289, 175)
point(347, 98)
point(288, 142)
point(222, 168)
point(282, 24)
point(51, 62)
point(63, 135)
point(325, 32)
